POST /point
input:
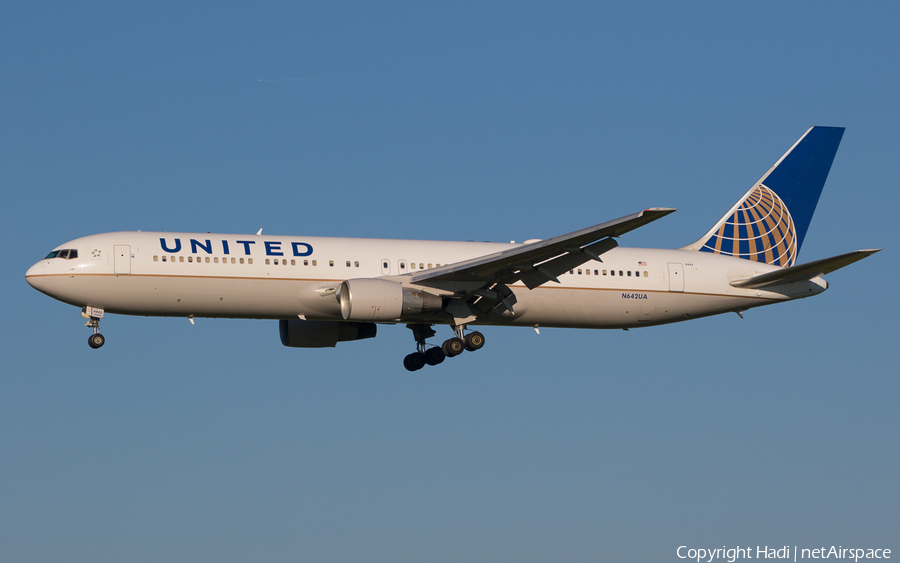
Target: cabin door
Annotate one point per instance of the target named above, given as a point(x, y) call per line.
point(676, 277)
point(122, 259)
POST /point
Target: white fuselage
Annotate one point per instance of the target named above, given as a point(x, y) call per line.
point(284, 277)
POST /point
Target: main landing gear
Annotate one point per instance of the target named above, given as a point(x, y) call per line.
point(93, 317)
point(435, 355)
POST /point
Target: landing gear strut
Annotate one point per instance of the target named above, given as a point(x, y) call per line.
point(93, 317)
point(435, 355)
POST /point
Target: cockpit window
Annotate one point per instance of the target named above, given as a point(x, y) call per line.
point(67, 253)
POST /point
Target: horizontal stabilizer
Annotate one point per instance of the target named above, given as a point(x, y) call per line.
point(804, 272)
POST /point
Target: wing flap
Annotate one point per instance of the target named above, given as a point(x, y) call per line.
point(804, 272)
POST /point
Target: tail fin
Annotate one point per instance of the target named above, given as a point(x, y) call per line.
point(770, 222)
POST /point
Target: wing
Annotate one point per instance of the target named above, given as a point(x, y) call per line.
point(539, 262)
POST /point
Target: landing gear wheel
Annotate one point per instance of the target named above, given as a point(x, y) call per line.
point(474, 341)
point(453, 347)
point(434, 356)
point(414, 361)
point(96, 340)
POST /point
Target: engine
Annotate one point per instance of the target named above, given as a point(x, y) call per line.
point(371, 299)
point(322, 334)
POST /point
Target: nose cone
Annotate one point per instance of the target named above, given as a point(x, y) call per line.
point(35, 276)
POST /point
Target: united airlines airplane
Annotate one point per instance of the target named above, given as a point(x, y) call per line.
point(329, 290)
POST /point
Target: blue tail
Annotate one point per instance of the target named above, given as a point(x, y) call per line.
point(770, 222)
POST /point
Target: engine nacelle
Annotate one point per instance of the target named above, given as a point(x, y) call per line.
point(371, 299)
point(322, 334)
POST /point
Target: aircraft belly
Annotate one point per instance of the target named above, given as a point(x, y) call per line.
point(593, 308)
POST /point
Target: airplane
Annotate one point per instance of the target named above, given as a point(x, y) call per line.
point(325, 290)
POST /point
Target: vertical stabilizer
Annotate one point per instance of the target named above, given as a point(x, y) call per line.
point(770, 222)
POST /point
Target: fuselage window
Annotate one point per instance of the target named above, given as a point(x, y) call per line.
point(241, 260)
point(646, 273)
point(163, 258)
point(348, 263)
point(331, 262)
point(249, 260)
point(384, 265)
point(216, 259)
point(421, 266)
point(402, 265)
point(207, 259)
point(293, 262)
point(620, 272)
point(612, 272)
point(267, 261)
point(190, 258)
point(629, 273)
point(314, 262)
point(412, 265)
point(356, 264)
point(181, 258)
point(595, 273)
point(306, 262)
point(587, 272)
point(571, 271)
point(155, 258)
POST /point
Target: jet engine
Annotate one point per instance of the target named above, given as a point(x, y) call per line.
point(322, 334)
point(371, 299)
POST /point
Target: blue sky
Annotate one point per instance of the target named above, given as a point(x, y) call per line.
point(503, 122)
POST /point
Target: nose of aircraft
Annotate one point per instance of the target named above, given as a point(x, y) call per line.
point(35, 276)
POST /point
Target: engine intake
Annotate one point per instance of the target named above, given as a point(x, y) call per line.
point(322, 334)
point(370, 299)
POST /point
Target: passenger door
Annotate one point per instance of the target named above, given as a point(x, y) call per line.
point(122, 259)
point(676, 277)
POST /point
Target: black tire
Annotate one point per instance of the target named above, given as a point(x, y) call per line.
point(414, 361)
point(434, 356)
point(96, 340)
point(474, 341)
point(453, 347)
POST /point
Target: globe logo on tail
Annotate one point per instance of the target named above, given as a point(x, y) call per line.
point(760, 229)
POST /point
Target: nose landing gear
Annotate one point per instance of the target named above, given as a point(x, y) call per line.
point(435, 355)
point(93, 316)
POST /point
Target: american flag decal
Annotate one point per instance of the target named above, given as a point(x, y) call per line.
point(642, 263)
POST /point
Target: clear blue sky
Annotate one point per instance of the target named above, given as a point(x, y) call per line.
point(215, 443)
